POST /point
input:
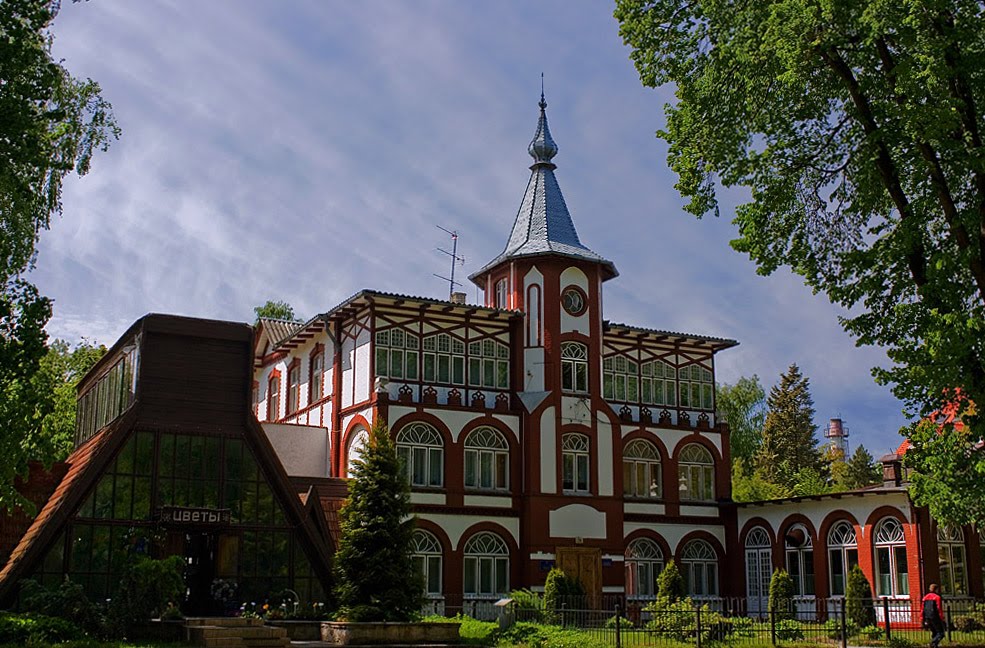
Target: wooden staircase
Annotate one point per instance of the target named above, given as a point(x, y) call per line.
point(234, 632)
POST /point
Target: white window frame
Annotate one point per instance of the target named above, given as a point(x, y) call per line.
point(800, 561)
point(574, 367)
point(428, 558)
point(489, 364)
point(642, 472)
point(952, 560)
point(576, 463)
point(397, 354)
point(439, 351)
point(843, 548)
point(486, 566)
point(487, 460)
point(357, 441)
point(620, 379)
point(502, 294)
point(697, 470)
point(658, 383)
point(421, 451)
point(759, 567)
point(696, 383)
point(699, 566)
point(889, 540)
point(644, 562)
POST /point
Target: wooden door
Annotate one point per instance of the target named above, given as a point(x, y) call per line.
point(584, 564)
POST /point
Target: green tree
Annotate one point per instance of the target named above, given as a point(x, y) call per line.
point(810, 481)
point(376, 576)
point(781, 595)
point(275, 310)
point(754, 487)
point(862, 470)
point(858, 599)
point(670, 584)
point(789, 444)
point(50, 125)
point(743, 406)
point(856, 131)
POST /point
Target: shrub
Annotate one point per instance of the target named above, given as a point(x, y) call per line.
point(858, 599)
point(832, 628)
point(897, 641)
point(559, 588)
point(66, 601)
point(789, 630)
point(26, 629)
point(529, 606)
point(679, 621)
point(973, 621)
point(670, 583)
point(148, 587)
point(872, 632)
point(781, 595)
point(743, 627)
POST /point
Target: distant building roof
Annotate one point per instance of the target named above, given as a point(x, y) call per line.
point(279, 329)
point(543, 224)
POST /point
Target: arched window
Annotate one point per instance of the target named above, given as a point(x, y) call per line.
point(574, 463)
point(316, 377)
point(273, 397)
point(293, 386)
point(800, 559)
point(502, 294)
point(426, 552)
point(951, 559)
point(486, 460)
point(892, 577)
point(697, 468)
point(533, 316)
point(486, 565)
point(759, 568)
point(641, 475)
point(421, 453)
point(357, 442)
point(644, 562)
point(574, 367)
point(842, 555)
point(699, 566)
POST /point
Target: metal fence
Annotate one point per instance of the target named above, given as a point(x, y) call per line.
point(620, 622)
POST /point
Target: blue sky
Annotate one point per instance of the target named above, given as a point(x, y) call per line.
point(305, 150)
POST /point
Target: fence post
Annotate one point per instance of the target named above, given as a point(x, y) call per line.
point(564, 607)
point(618, 613)
point(885, 616)
point(844, 625)
point(697, 617)
point(773, 623)
point(947, 616)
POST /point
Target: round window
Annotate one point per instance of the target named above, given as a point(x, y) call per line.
point(573, 301)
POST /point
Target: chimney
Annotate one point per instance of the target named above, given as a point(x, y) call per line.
point(892, 470)
point(458, 298)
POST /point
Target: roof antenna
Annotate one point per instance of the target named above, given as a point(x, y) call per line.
point(455, 260)
point(543, 104)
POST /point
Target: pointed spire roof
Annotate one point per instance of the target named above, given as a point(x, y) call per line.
point(543, 225)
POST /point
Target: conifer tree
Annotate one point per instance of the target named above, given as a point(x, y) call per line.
point(781, 595)
point(376, 577)
point(862, 470)
point(789, 444)
point(858, 599)
point(670, 584)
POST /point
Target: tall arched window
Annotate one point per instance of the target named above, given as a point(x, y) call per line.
point(641, 476)
point(697, 468)
point(533, 316)
point(842, 555)
point(759, 568)
point(486, 566)
point(426, 552)
point(421, 453)
point(357, 442)
point(644, 562)
point(574, 367)
point(951, 559)
point(574, 463)
point(316, 378)
point(294, 386)
point(800, 559)
point(892, 576)
point(699, 566)
point(502, 294)
point(273, 397)
point(486, 460)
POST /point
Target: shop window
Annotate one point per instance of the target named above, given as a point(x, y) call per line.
point(892, 572)
point(644, 562)
point(486, 460)
point(641, 476)
point(951, 559)
point(842, 555)
point(697, 387)
point(575, 462)
point(574, 367)
point(800, 560)
point(699, 567)
point(486, 567)
point(397, 354)
point(426, 551)
point(697, 469)
point(421, 453)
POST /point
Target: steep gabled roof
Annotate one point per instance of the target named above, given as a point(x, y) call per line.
point(543, 225)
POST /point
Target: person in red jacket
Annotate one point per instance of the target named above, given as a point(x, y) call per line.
point(933, 615)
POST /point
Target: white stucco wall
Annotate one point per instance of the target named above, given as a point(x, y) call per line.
point(303, 450)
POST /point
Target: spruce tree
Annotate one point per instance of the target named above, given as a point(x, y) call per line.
point(862, 469)
point(789, 444)
point(376, 577)
point(781, 595)
point(858, 599)
point(670, 584)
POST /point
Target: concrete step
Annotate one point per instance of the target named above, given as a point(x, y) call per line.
point(222, 642)
point(223, 621)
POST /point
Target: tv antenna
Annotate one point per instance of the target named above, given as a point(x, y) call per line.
point(455, 260)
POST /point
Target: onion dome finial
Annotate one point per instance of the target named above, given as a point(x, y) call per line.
point(542, 148)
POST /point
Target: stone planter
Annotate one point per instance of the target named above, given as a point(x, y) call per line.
point(166, 631)
point(298, 630)
point(342, 633)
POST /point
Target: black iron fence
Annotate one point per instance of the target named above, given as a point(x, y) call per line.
point(617, 621)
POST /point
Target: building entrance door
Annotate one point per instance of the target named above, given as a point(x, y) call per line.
point(759, 570)
point(584, 564)
point(200, 552)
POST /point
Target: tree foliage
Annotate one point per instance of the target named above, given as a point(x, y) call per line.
point(376, 576)
point(743, 406)
point(858, 599)
point(789, 445)
point(754, 487)
point(856, 129)
point(275, 310)
point(670, 584)
point(862, 470)
point(50, 125)
point(781, 595)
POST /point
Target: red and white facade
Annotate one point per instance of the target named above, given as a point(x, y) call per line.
point(535, 433)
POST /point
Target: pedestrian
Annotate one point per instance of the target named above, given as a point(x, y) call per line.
point(933, 615)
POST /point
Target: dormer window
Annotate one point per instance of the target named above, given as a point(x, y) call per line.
point(502, 295)
point(574, 367)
